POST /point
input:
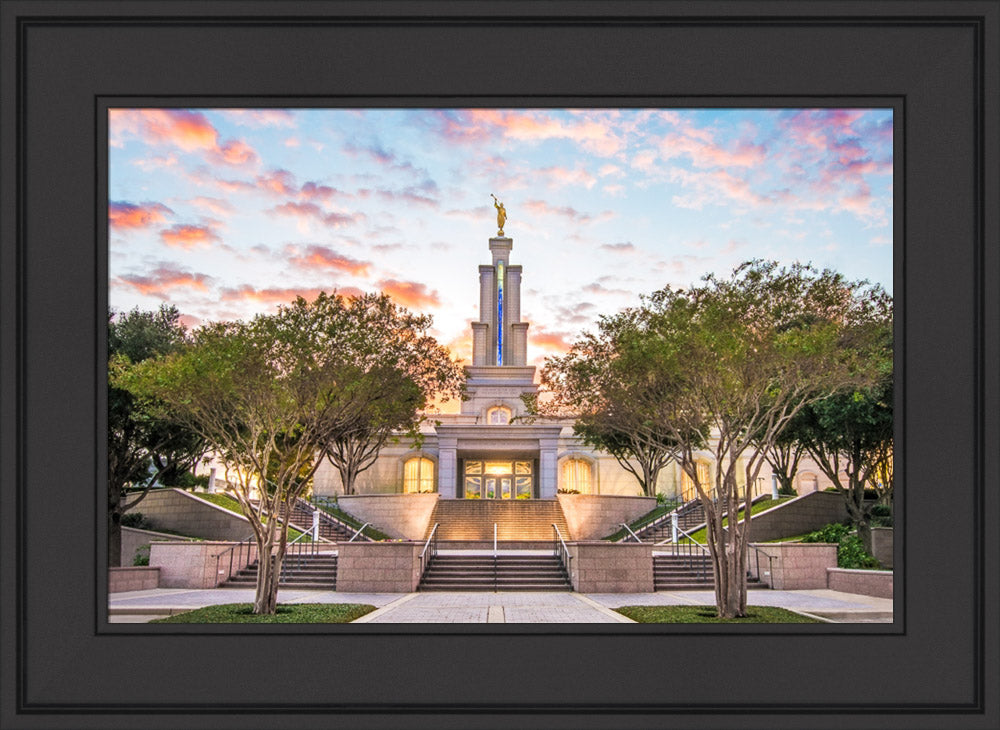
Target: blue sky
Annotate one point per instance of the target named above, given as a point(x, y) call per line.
point(227, 213)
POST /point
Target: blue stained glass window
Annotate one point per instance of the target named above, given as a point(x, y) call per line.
point(499, 312)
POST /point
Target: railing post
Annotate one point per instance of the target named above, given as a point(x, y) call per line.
point(673, 525)
point(315, 527)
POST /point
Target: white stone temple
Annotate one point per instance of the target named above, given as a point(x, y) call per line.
point(485, 452)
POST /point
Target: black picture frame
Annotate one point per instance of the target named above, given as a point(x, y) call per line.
point(936, 63)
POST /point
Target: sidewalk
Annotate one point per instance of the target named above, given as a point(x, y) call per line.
point(486, 607)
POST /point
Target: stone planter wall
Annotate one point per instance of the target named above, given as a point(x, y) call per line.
point(139, 578)
point(378, 567)
point(404, 516)
point(197, 564)
point(882, 545)
point(604, 567)
point(793, 565)
point(593, 516)
point(876, 583)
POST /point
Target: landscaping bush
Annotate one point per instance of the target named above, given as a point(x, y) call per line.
point(141, 555)
point(881, 515)
point(787, 491)
point(187, 480)
point(136, 520)
point(851, 551)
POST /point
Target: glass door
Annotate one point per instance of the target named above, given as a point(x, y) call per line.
point(496, 479)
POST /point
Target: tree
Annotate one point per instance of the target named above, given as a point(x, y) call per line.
point(408, 367)
point(784, 455)
point(269, 396)
point(143, 448)
point(620, 403)
point(743, 356)
point(851, 434)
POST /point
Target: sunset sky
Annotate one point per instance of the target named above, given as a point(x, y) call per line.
point(227, 213)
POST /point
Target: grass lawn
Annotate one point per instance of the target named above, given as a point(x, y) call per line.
point(761, 506)
point(370, 531)
point(288, 613)
point(706, 615)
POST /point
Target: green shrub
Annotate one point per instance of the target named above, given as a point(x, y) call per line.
point(881, 516)
point(833, 532)
point(787, 491)
point(851, 553)
point(136, 520)
point(187, 480)
point(141, 555)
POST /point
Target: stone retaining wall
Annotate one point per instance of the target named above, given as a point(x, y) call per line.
point(378, 567)
point(593, 516)
point(186, 513)
point(793, 565)
point(201, 564)
point(139, 578)
point(798, 516)
point(133, 539)
point(876, 583)
point(603, 567)
point(404, 516)
point(882, 545)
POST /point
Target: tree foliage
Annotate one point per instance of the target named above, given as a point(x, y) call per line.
point(269, 396)
point(143, 447)
point(737, 359)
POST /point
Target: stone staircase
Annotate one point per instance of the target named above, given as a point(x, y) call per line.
point(687, 573)
point(306, 571)
point(506, 572)
point(329, 528)
point(690, 515)
point(472, 520)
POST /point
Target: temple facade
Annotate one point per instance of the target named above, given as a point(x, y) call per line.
point(485, 451)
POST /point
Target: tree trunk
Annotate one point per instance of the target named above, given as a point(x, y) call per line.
point(114, 539)
point(266, 596)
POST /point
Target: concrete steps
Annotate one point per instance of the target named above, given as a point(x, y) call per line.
point(308, 571)
point(516, 520)
point(687, 573)
point(504, 573)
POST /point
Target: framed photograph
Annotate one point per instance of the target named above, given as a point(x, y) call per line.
point(227, 159)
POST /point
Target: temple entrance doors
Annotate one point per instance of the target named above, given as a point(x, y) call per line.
point(498, 479)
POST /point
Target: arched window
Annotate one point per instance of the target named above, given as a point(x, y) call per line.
point(418, 475)
point(498, 416)
point(576, 476)
point(688, 492)
point(808, 483)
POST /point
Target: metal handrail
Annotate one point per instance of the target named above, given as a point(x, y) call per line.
point(564, 556)
point(424, 562)
point(629, 531)
point(494, 539)
point(770, 565)
point(689, 550)
point(319, 503)
point(231, 551)
point(496, 578)
point(360, 530)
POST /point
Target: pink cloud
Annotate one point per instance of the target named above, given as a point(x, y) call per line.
point(540, 207)
point(247, 293)
point(321, 257)
point(188, 236)
point(124, 216)
point(260, 117)
point(217, 206)
point(162, 280)
point(189, 130)
point(410, 293)
point(306, 212)
point(470, 125)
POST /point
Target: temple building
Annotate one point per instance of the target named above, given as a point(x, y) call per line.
point(485, 451)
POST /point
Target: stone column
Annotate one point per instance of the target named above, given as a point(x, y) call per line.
point(485, 293)
point(548, 479)
point(480, 343)
point(447, 465)
point(514, 293)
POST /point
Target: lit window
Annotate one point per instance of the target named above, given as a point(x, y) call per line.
point(498, 416)
point(418, 475)
point(687, 484)
point(576, 474)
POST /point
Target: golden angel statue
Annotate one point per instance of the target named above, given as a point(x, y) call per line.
point(501, 214)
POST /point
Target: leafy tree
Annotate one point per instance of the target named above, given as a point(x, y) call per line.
point(269, 396)
point(743, 356)
point(143, 447)
point(408, 367)
point(850, 435)
point(620, 401)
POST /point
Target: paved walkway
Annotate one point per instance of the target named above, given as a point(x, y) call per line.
point(513, 607)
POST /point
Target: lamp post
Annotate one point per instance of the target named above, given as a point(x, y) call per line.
point(774, 485)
